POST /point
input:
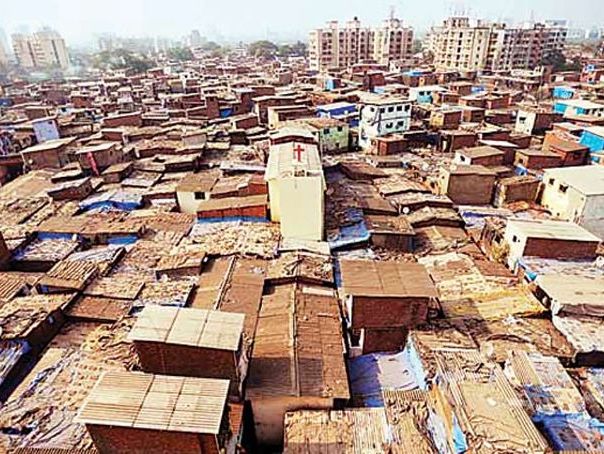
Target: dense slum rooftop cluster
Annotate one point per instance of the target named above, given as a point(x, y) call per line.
point(242, 255)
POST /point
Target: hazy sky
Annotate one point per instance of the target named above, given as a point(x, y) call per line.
point(80, 20)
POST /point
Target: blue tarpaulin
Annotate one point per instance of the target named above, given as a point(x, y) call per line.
point(231, 219)
point(416, 365)
point(574, 434)
point(112, 200)
point(520, 170)
point(224, 113)
point(348, 235)
point(372, 373)
point(122, 240)
point(56, 236)
point(529, 275)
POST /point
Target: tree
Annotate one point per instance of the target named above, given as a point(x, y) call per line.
point(210, 46)
point(557, 60)
point(299, 49)
point(180, 54)
point(121, 59)
point(264, 49)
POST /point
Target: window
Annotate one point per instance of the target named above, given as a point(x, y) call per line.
point(388, 125)
point(382, 110)
point(391, 109)
point(326, 131)
point(200, 195)
point(340, 128)
point(563, 188)
point(514, 239)
point(399, 108)
point(400, 124)
point(551, 181)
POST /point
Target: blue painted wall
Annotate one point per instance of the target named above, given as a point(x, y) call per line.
point(592, 141)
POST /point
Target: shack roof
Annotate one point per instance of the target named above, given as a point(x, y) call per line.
point(97, 148)
point(154, 402)
point(397, 427)
point(588, 180)
point(188, 326)
point(355, 430)
point(551, 230)
point(573, 294)
point(200, 182)
point(22, 315)
point(486, 405)
point(298, 347)
point(479, 152)
point(233, 203)
point(386, 279)
point(457, 169)
point(49, 145)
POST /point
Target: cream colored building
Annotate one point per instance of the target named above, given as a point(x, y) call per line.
point(194, 190)
point(344, 46)
point(42, 49)
point(296, 188)
point(576, 194)
point(467, 45)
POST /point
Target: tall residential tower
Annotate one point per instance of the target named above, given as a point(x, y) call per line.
point(344, 46)
point(466, 45)
point(40, 50)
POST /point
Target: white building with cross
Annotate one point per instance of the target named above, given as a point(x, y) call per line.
point(296, 189)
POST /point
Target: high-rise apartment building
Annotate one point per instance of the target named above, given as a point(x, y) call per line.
point(336, 46)
point(465, 45)
point(4, 56)
point(40, 50)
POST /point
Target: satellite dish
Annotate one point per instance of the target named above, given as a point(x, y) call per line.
point(406, 210)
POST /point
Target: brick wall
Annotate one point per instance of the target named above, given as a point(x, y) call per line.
point(560, 249)
point(470, 189)
point(124, 440)
point(376, 312)
point(132, 119)
point(186, 361)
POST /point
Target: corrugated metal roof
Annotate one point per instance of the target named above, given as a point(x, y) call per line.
point(71, 275)
point(187, 326)
point(489, 411)
point(10, 286)
point(147, 401)
point(115, 287)
point(99, 309)
point(353, 431)
point(386, 279)
point(298, 349)
point(545, 384)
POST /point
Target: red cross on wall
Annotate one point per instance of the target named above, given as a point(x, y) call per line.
point(298, 150)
